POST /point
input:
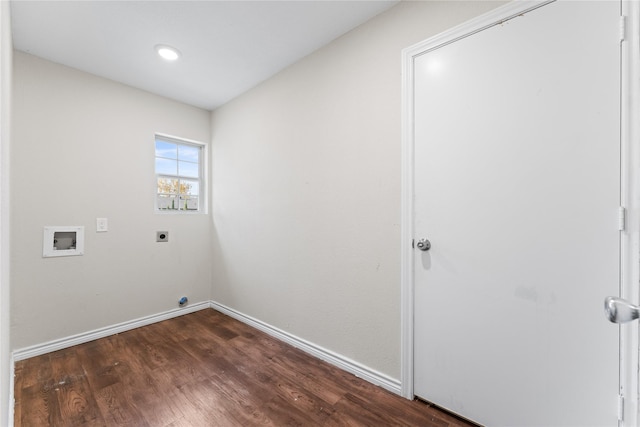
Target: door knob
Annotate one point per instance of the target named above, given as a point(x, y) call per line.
point(423, 245)
point(619, 310)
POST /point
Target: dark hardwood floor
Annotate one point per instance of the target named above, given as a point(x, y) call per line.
point(202, 369)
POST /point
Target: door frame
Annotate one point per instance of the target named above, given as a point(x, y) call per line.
point(629, 185)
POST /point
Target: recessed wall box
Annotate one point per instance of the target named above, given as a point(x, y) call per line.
point(63, 241)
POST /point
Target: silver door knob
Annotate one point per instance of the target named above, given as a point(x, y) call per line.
point(619, 310)
point(423, 245)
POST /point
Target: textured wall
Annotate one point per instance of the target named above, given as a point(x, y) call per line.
point(306, 176)
point(83, 148)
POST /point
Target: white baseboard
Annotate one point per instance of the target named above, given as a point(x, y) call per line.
point(335, 359)
point(59, 344)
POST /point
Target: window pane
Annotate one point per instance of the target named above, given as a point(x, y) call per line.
point(166, 166)
point(188, 169)
point(185, 187)
point(166, 202)
point(167, 186)
point(166, 149)
point(189, 203)
point(188, 153)
point(178, 175)
point(189, 187)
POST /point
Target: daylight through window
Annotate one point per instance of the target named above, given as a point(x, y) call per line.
point(179, 175)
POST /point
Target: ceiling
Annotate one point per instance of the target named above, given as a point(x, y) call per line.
point(227, 47)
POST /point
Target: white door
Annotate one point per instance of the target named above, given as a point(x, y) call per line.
point(517, 188)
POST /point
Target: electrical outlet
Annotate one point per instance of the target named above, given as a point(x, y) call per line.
point(102, 225)
point(162, 236)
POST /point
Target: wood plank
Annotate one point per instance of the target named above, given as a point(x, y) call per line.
point(116, 409)
point(36, 402)
point(76, 402)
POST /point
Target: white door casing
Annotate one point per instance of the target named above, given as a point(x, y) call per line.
point(510, 295)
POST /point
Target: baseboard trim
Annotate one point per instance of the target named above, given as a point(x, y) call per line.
point(321, 353)
point(59, 344)
point(328, 356)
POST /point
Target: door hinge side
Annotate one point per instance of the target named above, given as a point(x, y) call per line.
point(620, 407)
point(623, 27)
point(622, 218)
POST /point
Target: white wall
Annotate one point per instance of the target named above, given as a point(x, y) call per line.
point(5, 122)
point(82, 148)
point(306, 176)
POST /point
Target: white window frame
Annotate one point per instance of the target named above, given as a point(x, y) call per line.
point(202, 175)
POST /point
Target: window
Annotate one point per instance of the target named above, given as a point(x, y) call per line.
point(178, 175)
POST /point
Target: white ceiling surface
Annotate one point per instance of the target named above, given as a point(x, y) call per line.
point(227, 46)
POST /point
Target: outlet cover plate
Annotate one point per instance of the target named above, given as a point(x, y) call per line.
point(102, 225)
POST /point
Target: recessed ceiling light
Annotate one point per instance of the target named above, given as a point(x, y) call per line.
point(167, 52)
